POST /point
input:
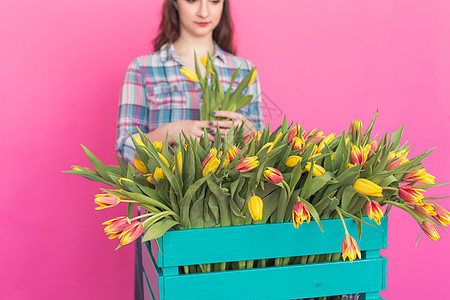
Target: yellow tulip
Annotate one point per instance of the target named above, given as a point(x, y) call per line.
point(159, 174)
point(367, 187)
point(158, 146)
point(255, 206)
point(253, 78)
point(163, 159)
point(293, 160)
point(139, 164)
point(204, 61)
point(317, 170)
point(189, 74)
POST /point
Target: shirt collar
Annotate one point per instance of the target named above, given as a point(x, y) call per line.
point(167, 53)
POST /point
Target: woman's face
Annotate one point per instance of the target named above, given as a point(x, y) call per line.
point(199, 18)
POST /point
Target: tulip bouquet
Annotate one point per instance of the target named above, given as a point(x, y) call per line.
point(285, 175)
point(214, 97)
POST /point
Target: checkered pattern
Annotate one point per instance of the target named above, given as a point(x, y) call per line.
point(155, 92)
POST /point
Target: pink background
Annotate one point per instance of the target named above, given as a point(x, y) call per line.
point(322, 62)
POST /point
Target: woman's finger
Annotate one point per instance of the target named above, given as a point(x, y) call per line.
point(228, 114)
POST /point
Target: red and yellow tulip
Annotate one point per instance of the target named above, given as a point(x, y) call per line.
point(131, 233)
point(430, 230)
point(411, 194)
point(116, 226)
point(300, 213)
point(425, 209)
point(211, 162)
point(374, 212)
point(247, 164)
point(419, 175)
point(442, 215)
point(273, 175)
point(350, 249)
point(106, 201)
point(358, 155)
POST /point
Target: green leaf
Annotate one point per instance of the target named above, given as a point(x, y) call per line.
point(158, 229)
point(186, 201)
point(395, 137)
point(99, 167)
point(317, 183)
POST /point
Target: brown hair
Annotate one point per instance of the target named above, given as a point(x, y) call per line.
point(169, 28)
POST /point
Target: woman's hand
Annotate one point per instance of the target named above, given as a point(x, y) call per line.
point(190, 127)
point(225, 125)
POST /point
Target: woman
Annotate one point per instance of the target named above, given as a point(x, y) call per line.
point(158, 99)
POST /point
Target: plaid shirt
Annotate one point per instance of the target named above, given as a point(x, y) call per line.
point(155, 92)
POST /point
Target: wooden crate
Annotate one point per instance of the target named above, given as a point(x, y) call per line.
point(239, 243)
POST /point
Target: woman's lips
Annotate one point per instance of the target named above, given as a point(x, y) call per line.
point(202, 24)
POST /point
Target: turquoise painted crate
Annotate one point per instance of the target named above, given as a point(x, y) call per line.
point(239, 243)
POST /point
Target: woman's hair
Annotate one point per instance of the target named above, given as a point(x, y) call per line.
point(169, 28)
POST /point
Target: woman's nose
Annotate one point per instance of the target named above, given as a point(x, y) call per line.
point(203, 10)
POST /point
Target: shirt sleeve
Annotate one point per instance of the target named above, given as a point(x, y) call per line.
point(253, 111)
point(133, 111)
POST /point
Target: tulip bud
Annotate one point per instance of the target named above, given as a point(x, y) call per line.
point(106, 201)
point(367, 187)
point(292, 133)
point(300, 213)
point(204, 61)
point(273, 175)
point(247, 164)
point(395, 159)
point(255, 135)
point(211, 162)
point(120, 180)
point(325, 141)
point(164, 159)
point(425, 209)
point(430, 230)
point(131, 233)
point(297, 143)
point(316, 135)
point(356, 130)
point(419, 175)
point(374, 212)
point(253, 78)
point(442, 215)
point(149, 177)
point(140, 166)
point(411, 194)
point(317, 170)
point(189, 74)
point(358, 156)
point(159, 174)
point(158, 146)
point(232, 152)
point(139, 141)
point(255, 206)
point(116, 226)
point(293, 161)
point(274, 142)
point(350, 249)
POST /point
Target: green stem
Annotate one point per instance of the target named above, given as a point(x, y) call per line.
point(142, 216)
point(342, 219)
